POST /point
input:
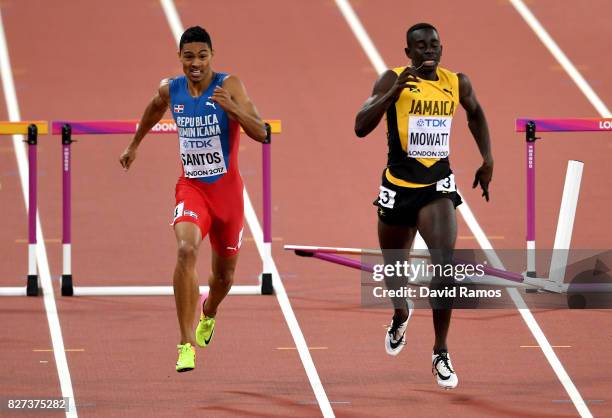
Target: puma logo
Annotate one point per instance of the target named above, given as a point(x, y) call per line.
point(237, 247)
point(211, 104)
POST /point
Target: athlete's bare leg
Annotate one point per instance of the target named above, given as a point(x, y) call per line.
point(396, 237)
point(186, 290)
point(220, 282)
point(437, 223)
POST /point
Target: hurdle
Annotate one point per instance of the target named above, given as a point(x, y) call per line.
point(68, 128)
point(493, 277)
point(32, 129)
point(571, 191)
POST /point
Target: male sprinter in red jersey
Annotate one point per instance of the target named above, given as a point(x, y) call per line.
point(209, 108)
point(418, 191)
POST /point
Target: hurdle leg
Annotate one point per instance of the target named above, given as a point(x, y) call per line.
point(565, 223)
point(66, 281)
point(32, 286)
point(530, 137)
point(266, 276)
point(337, 259)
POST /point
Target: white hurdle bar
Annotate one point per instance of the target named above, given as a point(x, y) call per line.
point(13, 291)
point(153, 290)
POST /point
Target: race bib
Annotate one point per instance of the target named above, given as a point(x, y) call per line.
point(178, 212)
point(386, 197)
point(428, 136)
point(202, 157)
point(447, 184)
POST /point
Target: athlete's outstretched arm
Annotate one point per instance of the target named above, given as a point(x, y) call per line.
point(480, 131)
point(232, 97)
point(153, 113)
point(386, 91)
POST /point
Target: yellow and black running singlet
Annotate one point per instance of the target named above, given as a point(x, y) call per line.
point(418, 130)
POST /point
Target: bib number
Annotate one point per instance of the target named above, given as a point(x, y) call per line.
point(202, 157)
point(428, 136)
point(447, 184)
point(178, 212)
point(386, 197)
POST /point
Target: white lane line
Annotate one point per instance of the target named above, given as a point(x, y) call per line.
point(174, 20)
point(485, 244)
point(285, 304)
point(279, 289)
point(57, 341)
point(560, 56)
point(527, 316)
point(362, 36)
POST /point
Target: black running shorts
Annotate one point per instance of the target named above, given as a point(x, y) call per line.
point(401, 205)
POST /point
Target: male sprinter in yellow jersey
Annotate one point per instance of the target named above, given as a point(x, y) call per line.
point(418, 189)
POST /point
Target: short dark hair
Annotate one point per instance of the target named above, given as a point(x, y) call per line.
point(416, 27)
point(195, 34)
